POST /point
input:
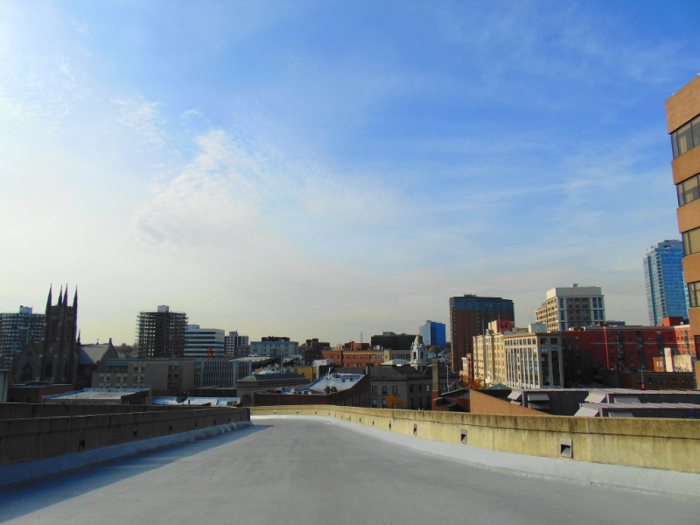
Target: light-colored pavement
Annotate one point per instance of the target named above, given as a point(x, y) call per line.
point(298, 471)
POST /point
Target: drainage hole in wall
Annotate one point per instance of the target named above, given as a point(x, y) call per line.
point(196, 424)
point(170, 428)
point(136, 433)
point(566, 448)
point(81, 444)
point(463, 439)
point(389, 425)
point(415, 430)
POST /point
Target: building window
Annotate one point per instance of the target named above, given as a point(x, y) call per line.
point(691, 242)
point(693, 290)
point(374, 402)
point(394, 390)
point(384, 390)
point(374, 389)
point(686, 137)
point(688, 190)
point(383, 402)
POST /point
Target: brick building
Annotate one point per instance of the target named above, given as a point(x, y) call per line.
point(469, 317)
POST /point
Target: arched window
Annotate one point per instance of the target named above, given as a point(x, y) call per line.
point(48, 370)
point(27, 373)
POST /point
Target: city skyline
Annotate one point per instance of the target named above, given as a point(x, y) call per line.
point(328, 170)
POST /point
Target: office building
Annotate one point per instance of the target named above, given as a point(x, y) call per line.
point(683, 119)
point(534, 360)
point(204, 342)
point(663, 275)
point(568, 307)
point(470, 316)
point(16, 330)
point(272, 346)
point(161, 334)
point(433, 334)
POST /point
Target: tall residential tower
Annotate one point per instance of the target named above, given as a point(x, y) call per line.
point(663, 274)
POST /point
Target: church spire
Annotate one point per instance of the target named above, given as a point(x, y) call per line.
point(60, 296)
point(48, 301)
point(75, 299)
point(65, 297)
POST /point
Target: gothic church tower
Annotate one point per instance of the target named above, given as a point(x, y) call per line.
point(58, 357)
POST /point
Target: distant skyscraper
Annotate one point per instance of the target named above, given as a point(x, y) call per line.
point(470, 316)
point(16, 330)
point(161, 333)
point(433, 334)
point(663, 274)
point(572, 306)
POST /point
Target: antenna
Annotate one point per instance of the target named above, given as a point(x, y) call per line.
point(361, 340)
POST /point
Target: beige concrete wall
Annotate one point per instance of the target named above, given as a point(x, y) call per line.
point(683, 105)
point(44, 437)
point(653, 443)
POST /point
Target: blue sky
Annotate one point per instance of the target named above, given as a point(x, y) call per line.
point(322, 169)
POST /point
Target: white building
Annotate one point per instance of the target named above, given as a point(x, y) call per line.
point(204, 342)
point(534, 360)
point(274, 347)
point(572, 306)
point(234, 341)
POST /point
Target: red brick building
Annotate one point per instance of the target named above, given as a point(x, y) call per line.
point(618, 347)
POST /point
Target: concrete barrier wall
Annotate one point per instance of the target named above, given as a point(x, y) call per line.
point(32, 410)
point(669, 444)
point(44, 437)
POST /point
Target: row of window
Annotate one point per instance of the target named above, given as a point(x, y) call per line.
point(686, 137)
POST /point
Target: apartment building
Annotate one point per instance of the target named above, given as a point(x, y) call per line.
point(572, 306)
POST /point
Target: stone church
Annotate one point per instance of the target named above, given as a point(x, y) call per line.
point(54, 359)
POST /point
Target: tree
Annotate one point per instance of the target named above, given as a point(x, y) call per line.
point(474, 384)
point(394, 402)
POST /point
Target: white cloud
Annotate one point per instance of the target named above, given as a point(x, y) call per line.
point(143, 119)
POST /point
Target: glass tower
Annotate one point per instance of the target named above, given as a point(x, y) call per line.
point(663, 273)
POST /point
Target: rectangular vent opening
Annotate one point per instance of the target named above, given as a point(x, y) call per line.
point(566, 448)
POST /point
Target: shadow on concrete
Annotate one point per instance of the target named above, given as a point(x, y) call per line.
point(22, 499)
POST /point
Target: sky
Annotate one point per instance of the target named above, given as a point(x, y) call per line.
point(334, 169)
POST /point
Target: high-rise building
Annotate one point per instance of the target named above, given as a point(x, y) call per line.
point(571, 306)
point(16, 330)
point(683, 119)
point(53, 359)
point(470, 316)
point(204, 342)
point(663, 274)
point(161, 334)
point(433, 334)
